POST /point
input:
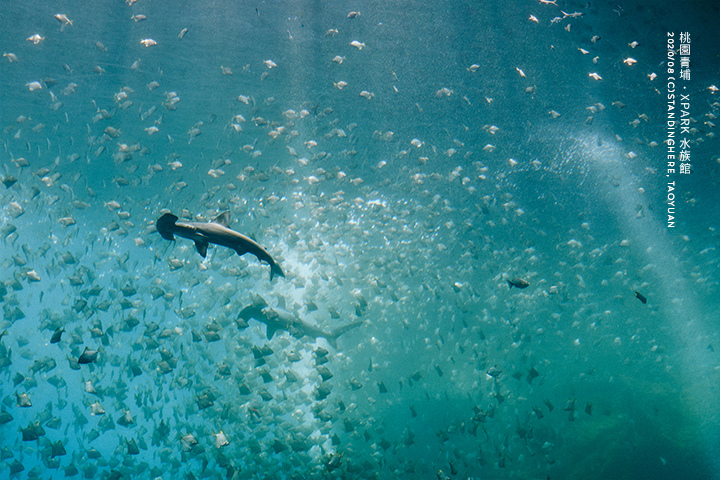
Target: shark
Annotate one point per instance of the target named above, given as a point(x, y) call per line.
point(279, 319)
point(217, 232)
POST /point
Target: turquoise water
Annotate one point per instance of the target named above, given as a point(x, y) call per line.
point(401, 163)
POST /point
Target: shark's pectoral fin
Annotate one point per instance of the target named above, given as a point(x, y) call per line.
point(275, 270)
point(201, 246)
point(240, 251)
point(271, 332)
point(332, 341)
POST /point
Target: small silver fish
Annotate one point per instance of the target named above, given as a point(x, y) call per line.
point(88, 356)
point(518, 283)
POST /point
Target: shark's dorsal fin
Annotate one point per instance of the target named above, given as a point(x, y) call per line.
point(259, 301)
point(223, 219)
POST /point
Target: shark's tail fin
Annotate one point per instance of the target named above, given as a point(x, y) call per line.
point(276, 270)
point(333, 336)
point(165, 226)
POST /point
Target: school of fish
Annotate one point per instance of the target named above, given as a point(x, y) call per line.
point(460, 206)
